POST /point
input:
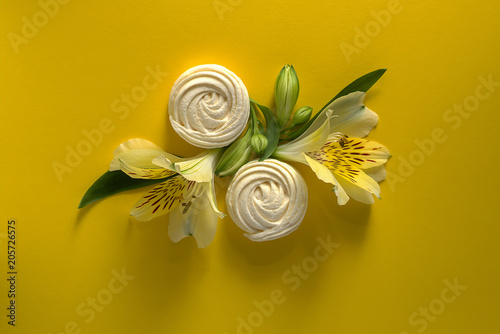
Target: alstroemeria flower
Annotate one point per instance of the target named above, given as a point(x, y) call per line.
point(334, 149)
point(188, 196)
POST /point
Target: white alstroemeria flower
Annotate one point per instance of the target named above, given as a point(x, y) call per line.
point(188, 196)
point(334, 149)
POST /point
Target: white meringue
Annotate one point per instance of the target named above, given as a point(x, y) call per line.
point(209, 106)
point(267, 199)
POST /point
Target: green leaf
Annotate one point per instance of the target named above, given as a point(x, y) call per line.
point(237, 153)
point(111, 183)
point(272, 131)
point(362, 84)
point(294, 134)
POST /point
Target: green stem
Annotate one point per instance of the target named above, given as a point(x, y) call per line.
point(253, 120)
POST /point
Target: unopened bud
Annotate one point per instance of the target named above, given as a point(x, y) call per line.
point(286, 92)
point(259, 143)
point(302, 115)
point(235, 156)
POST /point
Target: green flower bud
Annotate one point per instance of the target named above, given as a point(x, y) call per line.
point(302, 115)
point(235, 156)
point(259, 143)
point(286, 92)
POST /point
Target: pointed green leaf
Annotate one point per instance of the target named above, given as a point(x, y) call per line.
point(111, 183)
point(362, 84)
point(272, 131)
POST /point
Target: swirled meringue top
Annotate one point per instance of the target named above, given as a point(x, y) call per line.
point(209, 106)
point(267, 199)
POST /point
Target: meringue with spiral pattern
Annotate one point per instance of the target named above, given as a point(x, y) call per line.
point(267, 199)
point(209, 106)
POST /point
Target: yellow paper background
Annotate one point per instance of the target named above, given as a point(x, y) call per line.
point(438, 221)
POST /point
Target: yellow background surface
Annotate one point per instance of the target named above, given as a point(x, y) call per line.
point(437, 225)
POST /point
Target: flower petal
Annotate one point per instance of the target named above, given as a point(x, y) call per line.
point(351, 117)
point(161, 199)
point(136, 152)
point(358, 152)
point(377, 173)
point(357, 193)
point(144, 173)
point(193, 218)
point(176, 230)
point(212, 198)
point(166, 160)
point(199, 169)
point(325, 175)
point(313, 141)
point(359, 178)
point(136, 144)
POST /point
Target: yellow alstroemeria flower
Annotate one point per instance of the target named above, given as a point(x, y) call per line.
point(334, 149)
point(188, 197)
